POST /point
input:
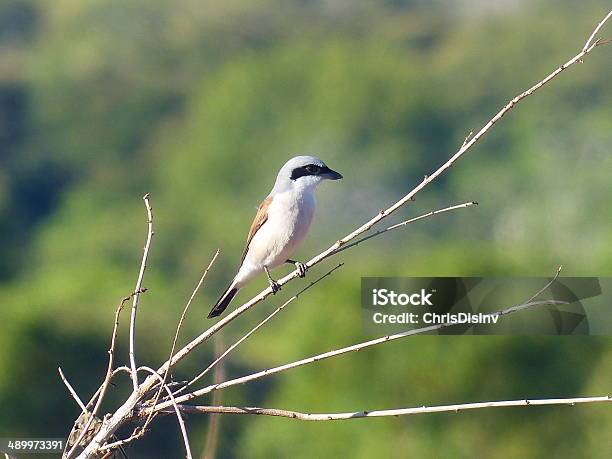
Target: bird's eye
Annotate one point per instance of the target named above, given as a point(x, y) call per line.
point(312, 169)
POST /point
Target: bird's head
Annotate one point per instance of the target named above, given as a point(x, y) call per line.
point(304, 172)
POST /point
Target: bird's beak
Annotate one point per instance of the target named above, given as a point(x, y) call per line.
point(331, 174)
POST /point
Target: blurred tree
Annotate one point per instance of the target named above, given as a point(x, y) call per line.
point(199, 102)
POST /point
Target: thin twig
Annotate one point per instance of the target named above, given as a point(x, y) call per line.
point(254, 329)
point(395, 412)
point(467, 137)
point(111, 350)
point(71, 390)
point(405, 223)
point(214, 420)
point(136, 434)
point(99, 394)
point(543, 289)
point(141, 431)
point(589, 43)
point(137, 289)
point(178, 329)
point(354, 348)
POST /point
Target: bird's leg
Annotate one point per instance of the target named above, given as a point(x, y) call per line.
point(301, 267)
point(273, 284)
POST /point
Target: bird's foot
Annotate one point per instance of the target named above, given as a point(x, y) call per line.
point(302, 268)
point(275, 286)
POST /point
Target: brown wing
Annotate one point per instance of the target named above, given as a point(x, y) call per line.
point(260, 219)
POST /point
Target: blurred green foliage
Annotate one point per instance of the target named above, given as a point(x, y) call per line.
point(199, 103)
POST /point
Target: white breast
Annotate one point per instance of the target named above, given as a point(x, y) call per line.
point(289, 216)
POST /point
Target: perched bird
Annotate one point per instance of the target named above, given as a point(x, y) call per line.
point(281, 223)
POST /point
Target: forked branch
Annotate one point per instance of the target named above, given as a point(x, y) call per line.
point(469, 142)
point(530, 303)
point(126, 411)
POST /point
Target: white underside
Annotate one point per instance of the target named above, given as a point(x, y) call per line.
point(289, 216)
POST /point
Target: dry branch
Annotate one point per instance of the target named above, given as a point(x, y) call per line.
point(137, 289)
point(589, 46)
point(178, 329)
point(395, 412)
point(127, 410)
point(406, 223)
point(254, 329)
point(98, 396)
point(71, 390)
point(175, 406)
point(356, 348)
point(214, 421)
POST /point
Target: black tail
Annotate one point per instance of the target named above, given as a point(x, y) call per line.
point(223, 302)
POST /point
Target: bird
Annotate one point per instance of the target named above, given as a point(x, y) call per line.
point(280, 225)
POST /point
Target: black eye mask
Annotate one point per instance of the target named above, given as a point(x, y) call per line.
point(309, 169)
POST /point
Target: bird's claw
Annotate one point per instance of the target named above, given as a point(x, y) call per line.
point(275, 286)
point(302, 268)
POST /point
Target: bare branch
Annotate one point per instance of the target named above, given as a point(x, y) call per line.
point(113, 422)
point(405, 223)
point(395, 412)
point(138, 288)
point(354, 348)
point(176, 408)
point(388, 211)
point(99, 394)
point(589, 42)
point(254, 329)
point(178, 329)
point(72, 391)
point(467, 137)
point(136, 434)
point(141, 431)
point(543, 289)
point(214, 420)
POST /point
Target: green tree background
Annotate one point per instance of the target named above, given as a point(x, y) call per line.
point(199, 103)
